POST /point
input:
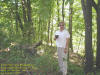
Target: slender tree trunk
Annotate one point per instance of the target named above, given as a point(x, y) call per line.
point(98, 41)
point(16, 3)
point(97, 8)
point(18, 17)
point(87, 11)
point(58, 11)
point(39, 27)
point(29, 18)
point(98, 37)
point(24, 10)
point(49, 25)
point(20, 22)
point(70, 23)
point(42, 23)
point(29, 11)
point(51, 31)
point(63, 10)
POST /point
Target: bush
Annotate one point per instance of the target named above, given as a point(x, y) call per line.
point(46, 63)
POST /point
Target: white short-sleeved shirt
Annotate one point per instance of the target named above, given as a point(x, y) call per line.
point(61, 40)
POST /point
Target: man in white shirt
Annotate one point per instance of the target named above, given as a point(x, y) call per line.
point(62, 41)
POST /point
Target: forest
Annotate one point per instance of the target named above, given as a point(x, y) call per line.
point(27, 45)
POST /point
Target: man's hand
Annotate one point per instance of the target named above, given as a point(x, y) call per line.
point(66, 50)
point(54, 38)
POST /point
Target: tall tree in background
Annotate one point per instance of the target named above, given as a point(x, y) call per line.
point(18, 18)
point(97, 8)
point(87, 11)
point(29, 11)
point(25, 23)
point(29, 18)
point(58, 11)
point(24, 10)
point(16, 12)
point(70, 22)
point(63, 9)
point(49, 30)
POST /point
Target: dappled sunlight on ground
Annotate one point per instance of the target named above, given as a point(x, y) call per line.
point(75, 58)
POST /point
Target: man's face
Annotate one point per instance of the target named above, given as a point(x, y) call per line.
point(61, 26)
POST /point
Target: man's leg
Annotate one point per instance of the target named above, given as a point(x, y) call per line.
point(60, 58)
point(64, 67)
point(64, 62)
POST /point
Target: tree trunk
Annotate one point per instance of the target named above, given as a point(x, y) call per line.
point(58, 10)
point(24, 10)
point(63, 10)
point(87, 11)
point(98, 37)
point(70, 23)
point(97, 8)
point(48, 31)
point(18, 16)
point(29, 11)
point(30, 23)
point(16, 3)
point(51, 31)
point(39, 28)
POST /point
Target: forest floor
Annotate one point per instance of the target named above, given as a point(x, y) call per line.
point(44, 64)
point(75, 64)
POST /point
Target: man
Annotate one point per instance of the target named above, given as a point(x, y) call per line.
point(62, 40)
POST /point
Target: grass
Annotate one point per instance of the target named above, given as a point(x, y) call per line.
point(45, 63)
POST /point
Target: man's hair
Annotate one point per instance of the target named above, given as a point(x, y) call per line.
point(62, 22)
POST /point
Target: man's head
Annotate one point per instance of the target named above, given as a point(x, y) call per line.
point(62, 25)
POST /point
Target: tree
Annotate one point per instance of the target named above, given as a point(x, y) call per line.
point(18, 18)
point(24, 10)
point(97, 8)
point(58, 11)
point(70, 22)
point(87, 12)
point(63, 10)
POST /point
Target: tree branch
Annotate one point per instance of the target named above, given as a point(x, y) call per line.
point(94, 5)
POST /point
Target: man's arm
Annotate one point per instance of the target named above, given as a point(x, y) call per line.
point(67, 44)
point(54, 38)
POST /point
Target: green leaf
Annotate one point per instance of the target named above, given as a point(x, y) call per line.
point(66, 2)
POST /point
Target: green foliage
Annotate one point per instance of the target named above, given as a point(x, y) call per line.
point(98, 73)
point(15, 56)
point(43, 12)
point(46, 8)
point(46, 63)
point(75, 69)
point(4, 41)
point(68, 1)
